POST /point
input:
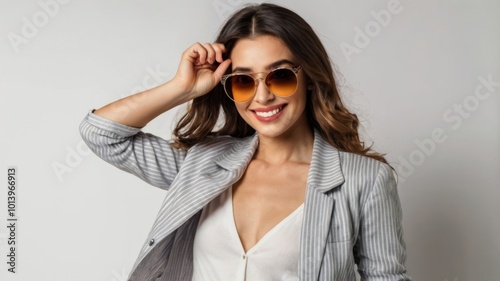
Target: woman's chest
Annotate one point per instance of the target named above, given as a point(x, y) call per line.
point(264, 197)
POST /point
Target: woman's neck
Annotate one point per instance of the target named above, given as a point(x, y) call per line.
point(295, 147)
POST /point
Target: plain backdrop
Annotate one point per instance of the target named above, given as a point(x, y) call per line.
point(423, 77)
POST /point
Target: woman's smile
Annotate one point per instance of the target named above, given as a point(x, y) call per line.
point(270, 113)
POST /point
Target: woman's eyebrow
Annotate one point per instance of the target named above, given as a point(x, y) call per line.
point(268, 67)
point(280, 63)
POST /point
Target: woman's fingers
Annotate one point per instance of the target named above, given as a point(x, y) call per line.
point(201, 68)
point(191, 54)
point(210, 57)
point(219, 50)
point(206, 53)
point(200, 50)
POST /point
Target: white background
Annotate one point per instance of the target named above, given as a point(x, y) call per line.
point(82, 219)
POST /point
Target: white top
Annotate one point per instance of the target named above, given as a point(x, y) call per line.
point(219, 254)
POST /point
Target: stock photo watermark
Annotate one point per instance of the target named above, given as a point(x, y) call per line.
point(454, 116)
point(30, 27)
point(75, 154)
point(12, 223)
point(73, 159)
point(224, 8)
point(364, 36)
point(154, 77)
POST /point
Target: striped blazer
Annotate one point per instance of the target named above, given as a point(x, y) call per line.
point(352, 213)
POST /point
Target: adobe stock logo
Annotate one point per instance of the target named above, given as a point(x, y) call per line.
point(154, 77)
point(40, 19)
point(75, 154)
point(74, 158)
point(373, 28)
point(454, 116)
point(225, 8)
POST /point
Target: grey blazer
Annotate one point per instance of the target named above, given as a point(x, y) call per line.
point(352, 213)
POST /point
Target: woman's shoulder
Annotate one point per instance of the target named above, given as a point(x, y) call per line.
point(359, 160)
point(364, 168)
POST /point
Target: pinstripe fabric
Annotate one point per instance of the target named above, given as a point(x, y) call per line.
point(352, 212)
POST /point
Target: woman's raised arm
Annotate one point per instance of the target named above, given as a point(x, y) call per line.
point(199, 71)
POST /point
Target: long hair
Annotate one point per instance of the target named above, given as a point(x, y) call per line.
point(325, 110)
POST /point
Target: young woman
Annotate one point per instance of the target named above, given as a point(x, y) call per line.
point(266, 177)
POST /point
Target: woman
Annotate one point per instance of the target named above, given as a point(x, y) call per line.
point(267, 178)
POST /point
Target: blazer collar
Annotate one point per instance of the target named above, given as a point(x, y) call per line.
point(325, 172)
point(237, 156)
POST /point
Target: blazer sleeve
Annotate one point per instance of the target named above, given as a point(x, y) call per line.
point(147, 156)
point(380, 249)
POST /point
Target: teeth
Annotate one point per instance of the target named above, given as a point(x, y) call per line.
point(269, 113)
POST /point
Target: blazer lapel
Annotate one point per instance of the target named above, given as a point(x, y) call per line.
point(324, 175)
point(203, 176)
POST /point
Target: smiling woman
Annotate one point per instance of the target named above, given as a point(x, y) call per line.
point(272, 115)
point(283, 190)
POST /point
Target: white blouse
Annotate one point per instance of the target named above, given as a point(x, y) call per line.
point(219, 254)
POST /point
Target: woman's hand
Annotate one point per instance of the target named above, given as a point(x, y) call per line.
point(199, 71)
point(201, 68)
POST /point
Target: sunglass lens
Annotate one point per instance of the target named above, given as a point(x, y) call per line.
point(282, 82)
point(242, 87)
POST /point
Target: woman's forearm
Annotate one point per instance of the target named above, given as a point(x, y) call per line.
point(197, 74)
point(138, 109)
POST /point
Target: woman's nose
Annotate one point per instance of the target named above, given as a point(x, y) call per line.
point(262, 93)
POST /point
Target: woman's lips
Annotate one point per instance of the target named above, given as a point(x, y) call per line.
point(268, 114)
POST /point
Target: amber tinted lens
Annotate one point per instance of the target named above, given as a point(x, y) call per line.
point(282, 82)
point(240, 87)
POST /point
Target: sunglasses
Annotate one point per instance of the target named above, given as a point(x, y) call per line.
point(241, 87)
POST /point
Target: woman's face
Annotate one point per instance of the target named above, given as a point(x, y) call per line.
point(270, 115)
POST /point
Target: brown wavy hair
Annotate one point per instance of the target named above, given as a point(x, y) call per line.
point(214, 114)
